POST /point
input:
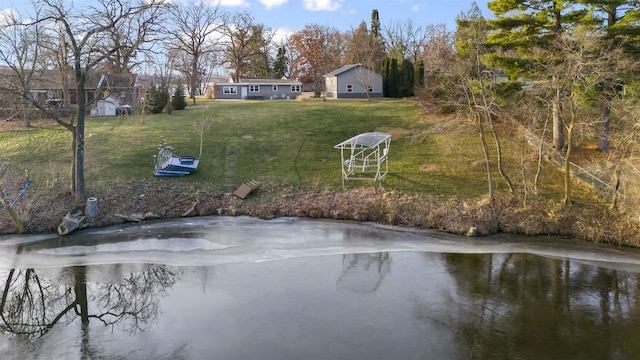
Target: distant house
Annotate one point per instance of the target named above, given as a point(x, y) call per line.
point(49, 88)
point(123, 86)
point(496, 75)
point(353, 81)
point(258, 88)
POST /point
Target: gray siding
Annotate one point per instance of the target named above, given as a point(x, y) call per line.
point(354, 79)
point(265, 91)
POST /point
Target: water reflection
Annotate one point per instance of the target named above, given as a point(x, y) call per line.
point(364, 272)
point(524, 306)
point(241, 289)
point(33, 305)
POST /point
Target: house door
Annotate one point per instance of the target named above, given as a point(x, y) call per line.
point(243, 92)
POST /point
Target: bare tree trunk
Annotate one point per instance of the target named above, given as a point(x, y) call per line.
point(79, 193)
point(567, 168)
point(495, 134)
point(603, 136)
point(485, 150)
point(194, 77)
point(540, 147)
point(558, 138)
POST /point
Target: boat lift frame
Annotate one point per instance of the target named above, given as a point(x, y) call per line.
point(365, 157)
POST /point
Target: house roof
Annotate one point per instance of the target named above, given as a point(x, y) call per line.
point(343, 69)
point(264, 81)
point(111, 81)
point(50, 79)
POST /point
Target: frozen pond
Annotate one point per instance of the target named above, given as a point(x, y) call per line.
point(243, 288)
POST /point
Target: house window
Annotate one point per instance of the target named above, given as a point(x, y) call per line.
point(229, 90)
point(274, 88)
point(295, 88)
point(370, 88)
point(349, 88)
point(254, 88)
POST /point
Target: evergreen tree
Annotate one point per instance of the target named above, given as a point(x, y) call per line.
point(179, 101)
point(375, 23)
point(157, 98)
point(619, 20)
point(527, 31)
point(393, 78)
point(405, 79)
point(281, 63)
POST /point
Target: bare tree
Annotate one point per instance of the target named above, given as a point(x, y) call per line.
point(315, 50)
point(406, 40)
point(84, 29)
point(194, 30)
point(238, 34)
point(585, 64)
point(19, 51)
point(363, 47)
point(124, 43)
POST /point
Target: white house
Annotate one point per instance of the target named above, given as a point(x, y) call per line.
point(353, 81)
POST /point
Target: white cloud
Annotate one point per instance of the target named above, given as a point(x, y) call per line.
point(320, 5)
point(231, 3)
point(6, 16)
point(269, 4)
point(281, 35)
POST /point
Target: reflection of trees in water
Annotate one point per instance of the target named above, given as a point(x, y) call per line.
point(364, 272)
point(523, 306)
point(31, 305)
point(134, 301)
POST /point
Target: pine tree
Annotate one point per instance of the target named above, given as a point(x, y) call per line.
point(406, 80)
point(157, 98)
point(619, 21)
point(281, 64)
point(527, 31)
point(179, 101)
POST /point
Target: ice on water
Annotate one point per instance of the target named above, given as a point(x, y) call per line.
point(218, 240)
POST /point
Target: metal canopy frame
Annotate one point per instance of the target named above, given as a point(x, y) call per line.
point(365, 157)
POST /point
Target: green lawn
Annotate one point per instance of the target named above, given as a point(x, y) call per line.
point(284, 142)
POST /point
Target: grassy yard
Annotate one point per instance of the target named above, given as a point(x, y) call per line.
point(283, 142)
point(436, 178)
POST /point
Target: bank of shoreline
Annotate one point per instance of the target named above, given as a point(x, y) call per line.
point(163, 199)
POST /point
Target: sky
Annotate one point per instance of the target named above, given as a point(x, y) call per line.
point(290, 15)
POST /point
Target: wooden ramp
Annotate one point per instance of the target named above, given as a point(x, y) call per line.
point(246, 188)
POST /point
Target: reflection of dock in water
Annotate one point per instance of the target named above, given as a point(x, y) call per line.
point(364, 272)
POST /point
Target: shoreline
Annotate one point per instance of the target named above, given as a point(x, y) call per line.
point(160, 199)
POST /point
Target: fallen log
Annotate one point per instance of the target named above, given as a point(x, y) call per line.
point(70, 222)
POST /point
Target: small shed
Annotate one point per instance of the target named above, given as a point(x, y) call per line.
point(106, 107)
point(365, 156)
